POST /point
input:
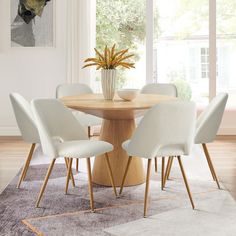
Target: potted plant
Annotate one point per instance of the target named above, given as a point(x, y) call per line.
point(108, 61)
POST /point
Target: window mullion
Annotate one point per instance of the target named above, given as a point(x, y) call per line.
point(149, 41)
point(212, 48)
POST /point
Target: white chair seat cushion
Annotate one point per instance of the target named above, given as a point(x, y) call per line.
point(86, 119)
point(171, 150)
point(83, 148)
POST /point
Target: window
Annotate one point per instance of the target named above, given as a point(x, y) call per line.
point(123, 22)
point(205, 63)
point(170, 40)
point(180, 46)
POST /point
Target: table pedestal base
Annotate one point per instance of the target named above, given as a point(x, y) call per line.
point(116, 132)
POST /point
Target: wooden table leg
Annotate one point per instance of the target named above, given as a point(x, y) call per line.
point(116, 132)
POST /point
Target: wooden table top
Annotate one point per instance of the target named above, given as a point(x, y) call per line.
point(95, 104)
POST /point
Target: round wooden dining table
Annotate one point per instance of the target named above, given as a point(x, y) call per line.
point(118, 126)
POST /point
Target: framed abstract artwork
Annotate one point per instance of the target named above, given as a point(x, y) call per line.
point(32, 23)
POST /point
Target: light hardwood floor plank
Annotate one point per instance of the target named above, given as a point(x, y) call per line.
point(13, 152)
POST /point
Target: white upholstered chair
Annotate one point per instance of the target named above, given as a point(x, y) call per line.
point(28, 129)
point(161, 89)
point(54, 120)
point(167, 129)
point(207, 126)
point(86, 120)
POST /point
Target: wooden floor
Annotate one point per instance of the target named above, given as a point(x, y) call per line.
point(223, 152)
point(13, 152)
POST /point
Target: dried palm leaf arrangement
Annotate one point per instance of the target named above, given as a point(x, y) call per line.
point(110, 59)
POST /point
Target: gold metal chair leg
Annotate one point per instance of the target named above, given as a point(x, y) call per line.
point(147, 187)
point(29, 158)
point(212, 169)
point(71, 173)
point(110, 174)
point(185, 181)
point(26, 165)
point(125, 174)
point(167, 170)
point(77, 164)
point(90, 184)
point(162, 172)
point(45, 182)
point(209, 164)
point(171, 162)
point(156, 164)
point(68, 174)
point(89, 131)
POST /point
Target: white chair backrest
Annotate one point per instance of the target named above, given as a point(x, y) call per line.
point(209, 120)
point(162, 89)
point(55, 121)
point(165, 125)
point(64, 90)
point(24, 118)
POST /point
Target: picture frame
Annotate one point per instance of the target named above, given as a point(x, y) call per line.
point(35, 30)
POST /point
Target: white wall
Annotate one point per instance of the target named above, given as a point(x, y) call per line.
point(33, 72)
point(228, 125)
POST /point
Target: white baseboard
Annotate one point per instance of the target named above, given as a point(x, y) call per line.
point(9, 131)
point(227, 131)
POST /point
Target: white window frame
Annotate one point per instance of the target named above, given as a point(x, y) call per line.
point(212, 49)
point(149, 41)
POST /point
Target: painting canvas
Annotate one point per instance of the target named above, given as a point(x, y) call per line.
point(32, 23)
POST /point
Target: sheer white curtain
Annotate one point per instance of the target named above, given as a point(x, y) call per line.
point(81, 39)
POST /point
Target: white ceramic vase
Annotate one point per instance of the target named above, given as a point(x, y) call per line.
point(108, 78)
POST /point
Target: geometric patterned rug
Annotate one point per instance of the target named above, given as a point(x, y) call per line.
point(169, 211)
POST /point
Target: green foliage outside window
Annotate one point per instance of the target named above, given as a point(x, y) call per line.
point(183, 88)
point(122, 22)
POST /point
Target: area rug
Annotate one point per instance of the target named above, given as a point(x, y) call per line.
point(215, 216)
point(61, 214)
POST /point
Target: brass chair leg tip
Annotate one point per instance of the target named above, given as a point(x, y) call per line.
point(144, 216)
point(93, 211)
